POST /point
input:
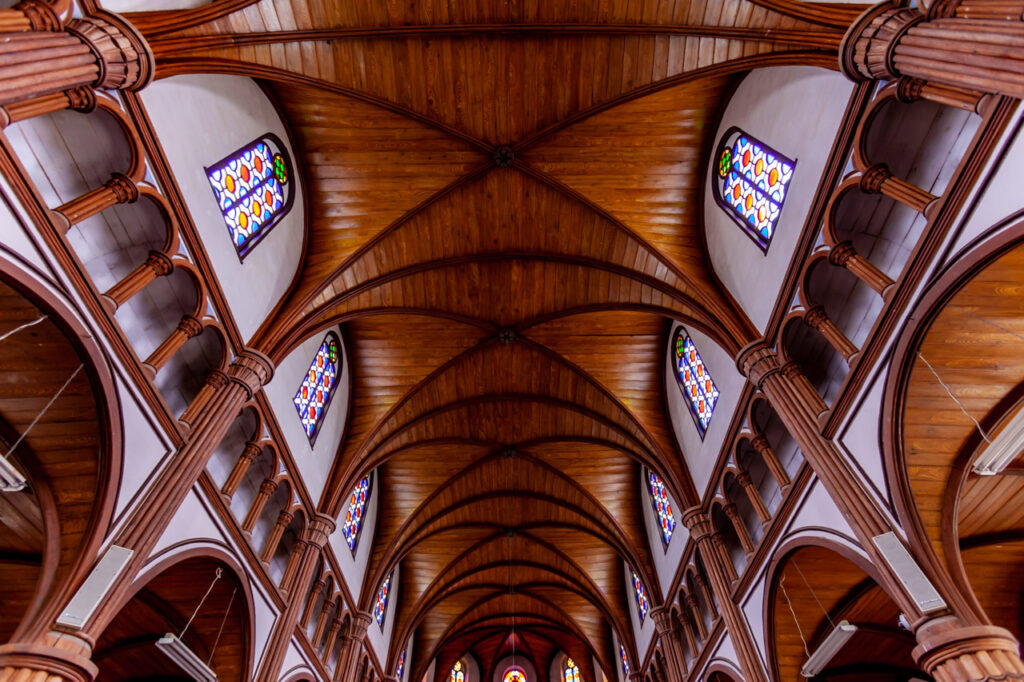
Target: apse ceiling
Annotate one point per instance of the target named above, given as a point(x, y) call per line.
point(505, 207)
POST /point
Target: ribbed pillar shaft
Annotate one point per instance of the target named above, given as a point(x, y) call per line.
point(119, 189)
point(819, 320)
point(216, 380)
point(771, 460)
point(747, 483)
point(878, 179)
point(668, 634)
point(698, 616)
point(249, 454)
point(702, 532)
point(973, 45)
point(81, 99)
point(321, 624)
point(314, 594)
point(347, 669)
point(274, 536)
point(843, 255)
point(740, 527)
point(188, 328)
point(157, 265)
point(313, 540)
point(60, 657)
point(267, 488)
point(101, 52)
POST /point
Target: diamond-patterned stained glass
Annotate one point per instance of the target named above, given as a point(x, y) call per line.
point(356, 510)
point(253, 189)
point(514, 675)
point(317, 387)
point(695, 380)
point(571, 672)
point(641, 597)
point(753, 180)
point(380, 606)
point(401, 667)
point(625, 662)
point(662, 506)
point(458, 673)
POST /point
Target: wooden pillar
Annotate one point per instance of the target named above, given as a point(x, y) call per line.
point(691, 637)
point(974, 45)
point(313, 540)
point(347, 669)
point(98, 51)
point(81, 99)
point(157, 265)
point(321, 622)
point(119, 189)
point(249, 454)
point(668, 634)
point(705, 593)
point(699, 525)
point(332, 637)
point(747, 483)
point(188, 328)
point(249, 372)
point(879, 180)
point(741, 528)
point(913, 89)
point(31, 15)
point(949, 648)
point(274, 537)
point(819, 320)
point(59, 657)
point(215, 382)
point(843, 255)
point(292, 567)
point(314, 594)
point(768, 456)
point(698, 616)
point(267, 489)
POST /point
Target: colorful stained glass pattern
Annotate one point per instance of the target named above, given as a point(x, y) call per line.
point(401, 667)
point(754, 181)
point(571, 672)
point(380, 606)
point(641, 597)
point(662, 506)
point(356, 509)
point(251, 188)
point(458, 674)
point(317, 386)
point(625, 662)
point(514, 675)
point(695, 380)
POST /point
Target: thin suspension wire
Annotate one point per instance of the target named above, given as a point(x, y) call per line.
point(43, 411)
point(24, 326)
point(955, 399)
point(216, 577)
point(811, 590)
point(223, 620)
point(789, 603)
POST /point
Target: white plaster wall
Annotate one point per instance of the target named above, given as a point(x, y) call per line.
point(407, 673)
point(520, 661)
point(143, 444)
point(201, 119)
point(642, 632)
point(700, 455)
point(353, 567)
point(796, 110)
point(617, 644)
point(314, 462)
point(666, 559)
point(555, 667)
point(380, 637)
point(429, 675)
point(473, 673)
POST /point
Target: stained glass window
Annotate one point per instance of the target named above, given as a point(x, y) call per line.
point(662, 506)
point(317, 387)
point(695, 381)
point(458, 673)
point(356, 511)
point(253, 187)
point(514, 675)
point(625, 662)
point(753, 180)
point(401, 667)
point(641, 597)
point(380, 606)
point(571, 672)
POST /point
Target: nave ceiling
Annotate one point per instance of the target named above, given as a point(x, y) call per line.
point(504, 206)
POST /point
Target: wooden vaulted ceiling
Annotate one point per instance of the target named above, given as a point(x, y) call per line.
point(504, 206)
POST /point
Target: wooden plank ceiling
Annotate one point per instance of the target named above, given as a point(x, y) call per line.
point(504, 212)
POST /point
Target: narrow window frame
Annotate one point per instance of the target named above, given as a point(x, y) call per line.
point(354, 547)
point(339, 367)
point(648, 473)
point(702, 429)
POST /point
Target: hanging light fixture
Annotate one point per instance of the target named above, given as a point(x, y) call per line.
point(836, 640)
point(175, 648)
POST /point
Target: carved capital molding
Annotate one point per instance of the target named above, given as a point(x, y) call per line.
point(909, 89)
point(82, 98)
point(251, 450)
point(757, 361)
point(698, 523)
point(268, 486)
point(160, 263)
point(841, 254)
point(21, 660)
point(816, 317)
point(190, 327)
point(743, 478)
point(124, 188)
point(122, 54)
point(320, 529)
point(217, 379)
point(40, 14)
point(872, 179)
point(951, 652)
point(866, 52)
point(251, 370)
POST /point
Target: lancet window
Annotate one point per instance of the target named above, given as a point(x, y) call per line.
point(625, 662)
point(752, 184)
point(317, 387)
point(695, 381)
point(514, 675)
point(458, 673)
point(641, 597)
point(380, 606)
point(356, 511)
point(571, 671)
point(662, 507)
point(254, 189)
point(401, 667)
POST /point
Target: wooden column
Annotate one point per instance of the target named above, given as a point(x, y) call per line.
point(314, 594)
point(741, 528)
point(703, 534)
point(946, 643)
point(216, 380)
point(691, 637)
point(668, 634)
point(747, 483)
point(188, 328)
point(914, 89)
point(157, 265)
point(119, 189)
point(978, 50)
point(313, 540)
point(771, 460)
point(819, 320)
point(81, 99)
point(31, 15)
point(101, 51)
point(843, 255)
point(698, 616)
point(347, 669)
point(60, 657)
point(332, 637)
point(321, 622)
point(879, 180)
point(267, 489)
point(274, 537)
point(249, 454)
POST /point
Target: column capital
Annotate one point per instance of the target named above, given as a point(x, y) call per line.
point(124, 188)
point(60, 663)
point(251, 370)
point(251, 450)
point(662, 619)
point(757, 361)
point(159, 262)
point(358, 625)
point(190, 326)
point(841, 253)
point(816, 316)
point(320, 529)
point(872, 179)
point(866, 52)
point(744, 479)
point(122, 54)
point(269, 485)
point(40, 14)
point(698, 523)
point(951, 652)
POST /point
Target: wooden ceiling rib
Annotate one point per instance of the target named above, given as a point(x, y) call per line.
point(504, 215)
